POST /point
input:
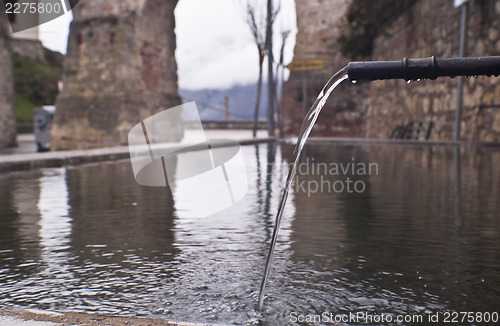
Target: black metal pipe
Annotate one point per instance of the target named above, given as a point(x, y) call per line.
point(431, 68)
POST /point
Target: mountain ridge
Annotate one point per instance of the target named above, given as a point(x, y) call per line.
point(210, 101)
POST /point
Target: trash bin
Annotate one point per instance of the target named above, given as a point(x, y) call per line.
point(42, 122)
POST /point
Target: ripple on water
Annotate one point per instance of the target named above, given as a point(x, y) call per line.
point(407, 248)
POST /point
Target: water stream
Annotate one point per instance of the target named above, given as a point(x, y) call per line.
point(307, 126)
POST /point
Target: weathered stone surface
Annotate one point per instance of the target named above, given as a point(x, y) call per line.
point(7, 113)
point(120, 68)
point(427, 28)
point(32, 49)
point(344, 113)
point(432, 28)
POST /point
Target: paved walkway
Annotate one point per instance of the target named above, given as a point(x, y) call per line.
point(25, 157)
point(25, 144)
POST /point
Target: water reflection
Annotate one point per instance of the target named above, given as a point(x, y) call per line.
point(422, 236)
point(55, 223)
point(25, 193)
point(54, 236)
point(110, 210)
point(122, 241)
point(19, 229)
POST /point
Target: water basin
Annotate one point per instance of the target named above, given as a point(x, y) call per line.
point(423, 236)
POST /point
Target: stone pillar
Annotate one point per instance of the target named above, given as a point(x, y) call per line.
point(7, 108)
point(119, 69)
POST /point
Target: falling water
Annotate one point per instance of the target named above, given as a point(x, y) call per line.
point(307, 126)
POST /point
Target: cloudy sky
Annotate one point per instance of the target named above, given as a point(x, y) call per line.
point(215, 48)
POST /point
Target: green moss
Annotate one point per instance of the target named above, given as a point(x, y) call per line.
point(35, 84)
point(24, 109)
point(26, 67)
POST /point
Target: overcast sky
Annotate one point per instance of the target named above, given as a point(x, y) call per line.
point(215, 48)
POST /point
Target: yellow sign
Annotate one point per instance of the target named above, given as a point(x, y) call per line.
point(306, 65)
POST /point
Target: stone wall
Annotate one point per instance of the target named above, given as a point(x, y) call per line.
point(120, 68)
point(318, 24)
point(7, 114)
point(431, 28)
point(32, 49)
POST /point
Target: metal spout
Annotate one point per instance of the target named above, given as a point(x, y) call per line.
point(430, 68)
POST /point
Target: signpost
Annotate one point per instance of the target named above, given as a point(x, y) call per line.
point(462, 47)
point(305, 66)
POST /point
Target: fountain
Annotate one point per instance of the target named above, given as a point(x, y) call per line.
point(428, 68)
point(407, 69)
point(422, 240)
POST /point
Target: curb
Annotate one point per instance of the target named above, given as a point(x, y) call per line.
point(30, 161)
point(23, 316)
point(383, 141)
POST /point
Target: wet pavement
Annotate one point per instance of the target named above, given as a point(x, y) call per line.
point(25, 144)
point(25, 157)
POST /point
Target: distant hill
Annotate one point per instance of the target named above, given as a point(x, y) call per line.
point(210, 102)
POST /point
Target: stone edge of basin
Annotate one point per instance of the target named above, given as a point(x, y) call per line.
point(27, 316)
point(30, 161)
point(382, 141)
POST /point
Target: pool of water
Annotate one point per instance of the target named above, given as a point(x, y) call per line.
point(416, 232)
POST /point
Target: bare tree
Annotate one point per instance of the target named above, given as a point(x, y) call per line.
point(256, 19)
point(281, 65)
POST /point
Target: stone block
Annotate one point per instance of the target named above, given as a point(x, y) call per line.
point(120, 68)
point(493, 34)
point(7, 113)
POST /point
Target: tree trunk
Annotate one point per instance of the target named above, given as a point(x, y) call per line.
point(257, 97)
point(270, 61)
